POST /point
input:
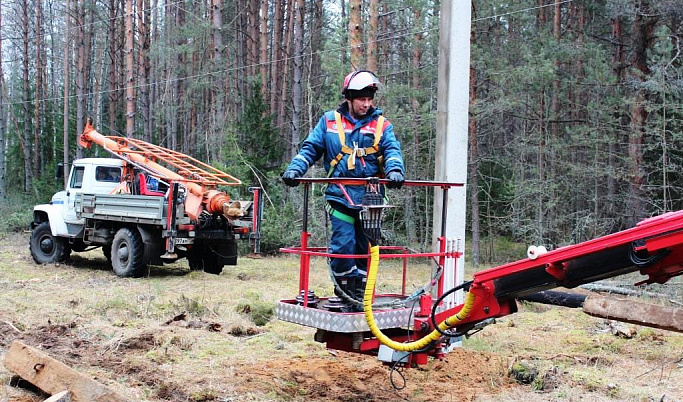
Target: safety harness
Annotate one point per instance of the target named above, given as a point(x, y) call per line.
point(355, 151)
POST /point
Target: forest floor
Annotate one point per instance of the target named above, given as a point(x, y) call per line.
point(177, 335)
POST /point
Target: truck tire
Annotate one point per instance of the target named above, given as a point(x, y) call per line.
point(203, 259)
point(127, 253)
point(46, 248)
point(106, 250)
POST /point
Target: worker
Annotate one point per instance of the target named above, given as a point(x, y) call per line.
point(102, 175)
point(356, 141)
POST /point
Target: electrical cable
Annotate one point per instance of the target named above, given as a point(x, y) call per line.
point(397, 368)
point(253, 65)
point(642, 262)
point(432, 317)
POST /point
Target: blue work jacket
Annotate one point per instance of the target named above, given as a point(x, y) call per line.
point(324, 141)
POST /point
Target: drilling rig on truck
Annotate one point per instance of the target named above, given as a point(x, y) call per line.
point(146, 205)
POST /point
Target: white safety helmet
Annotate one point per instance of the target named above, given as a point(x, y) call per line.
point(360, 83)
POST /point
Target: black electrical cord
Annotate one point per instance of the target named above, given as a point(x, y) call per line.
point(396, 368)
point(464, 285)
point(642, 262)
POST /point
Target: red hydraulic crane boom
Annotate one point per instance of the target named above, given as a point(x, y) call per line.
point(199, 178)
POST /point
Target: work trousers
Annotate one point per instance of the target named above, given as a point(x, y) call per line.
point(347, 238)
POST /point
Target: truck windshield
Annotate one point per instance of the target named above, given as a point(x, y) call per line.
point(108, 173)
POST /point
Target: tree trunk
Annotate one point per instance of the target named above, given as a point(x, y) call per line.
point(412, 156)
point(143, 11)
point(263, 59)
point(642, 30)
point(53, 82)
point(344, 35)
point(26, 141)
point(3, 121)
point(297, 84)
point(241, 56)
point(473, 179)
point(316, 75)
point(618, 71)
point(356, 34)
point(79, 53)
point(67, 53)
point(541, 13)
point(113, 73)
point(253, 38)
point(217, 18)
point(557, 32)
point(98, 79)
point(276, 63)
point(38, 96)
point(373, 23)
point(285, 71)
point(130, 75)
point(89, 34)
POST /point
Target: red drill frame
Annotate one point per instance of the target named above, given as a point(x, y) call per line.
point(654, 247)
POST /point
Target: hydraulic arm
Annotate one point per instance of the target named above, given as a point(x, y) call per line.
point(654, 248)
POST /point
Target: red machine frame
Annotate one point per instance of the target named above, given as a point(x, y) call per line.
point(654, 247)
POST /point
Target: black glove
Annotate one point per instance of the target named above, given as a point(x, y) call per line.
point(289, 177)
point(395, 178)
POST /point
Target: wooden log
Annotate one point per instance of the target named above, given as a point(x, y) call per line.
point(53, 376)
point(64, 396)
point(649, 315)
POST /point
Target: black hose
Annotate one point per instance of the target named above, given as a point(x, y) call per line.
point(464, 285)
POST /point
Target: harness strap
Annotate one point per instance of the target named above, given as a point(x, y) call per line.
point(341, 216)
point(355, 151)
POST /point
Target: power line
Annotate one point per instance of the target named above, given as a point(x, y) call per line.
point(255, 65)
point(520, 11)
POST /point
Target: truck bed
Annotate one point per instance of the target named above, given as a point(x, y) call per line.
point(125, 208)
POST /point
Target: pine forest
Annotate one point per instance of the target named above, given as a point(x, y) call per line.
point(576, 106)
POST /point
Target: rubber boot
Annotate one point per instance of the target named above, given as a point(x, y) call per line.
point(350, 285)
point(359, 291)
point(347, 285)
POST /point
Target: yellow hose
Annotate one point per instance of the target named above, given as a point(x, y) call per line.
point(385, 340)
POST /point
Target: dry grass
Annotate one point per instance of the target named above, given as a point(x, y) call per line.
point(122, 332)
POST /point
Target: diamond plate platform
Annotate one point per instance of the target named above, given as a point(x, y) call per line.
point(290, 311)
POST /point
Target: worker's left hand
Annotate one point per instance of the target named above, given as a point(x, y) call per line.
point(396, 179)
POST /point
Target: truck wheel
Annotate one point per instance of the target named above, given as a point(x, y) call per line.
point(127, 253)
point(205, 261)
point(211, 264)
point(106, 250)
point(46, 248)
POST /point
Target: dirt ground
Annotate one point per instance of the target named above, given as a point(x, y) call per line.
point(178, 335)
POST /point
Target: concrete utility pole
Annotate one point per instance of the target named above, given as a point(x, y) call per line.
point(451, 127)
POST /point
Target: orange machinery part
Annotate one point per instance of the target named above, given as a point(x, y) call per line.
point(197, 197)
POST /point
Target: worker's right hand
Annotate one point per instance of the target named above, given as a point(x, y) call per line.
point(289, 177)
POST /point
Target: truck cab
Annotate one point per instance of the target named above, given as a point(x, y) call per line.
point(91, 175)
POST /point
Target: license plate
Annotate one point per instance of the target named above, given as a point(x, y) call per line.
point(183, 240)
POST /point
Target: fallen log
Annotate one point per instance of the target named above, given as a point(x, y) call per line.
point(633, 312)
point(53, 376)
